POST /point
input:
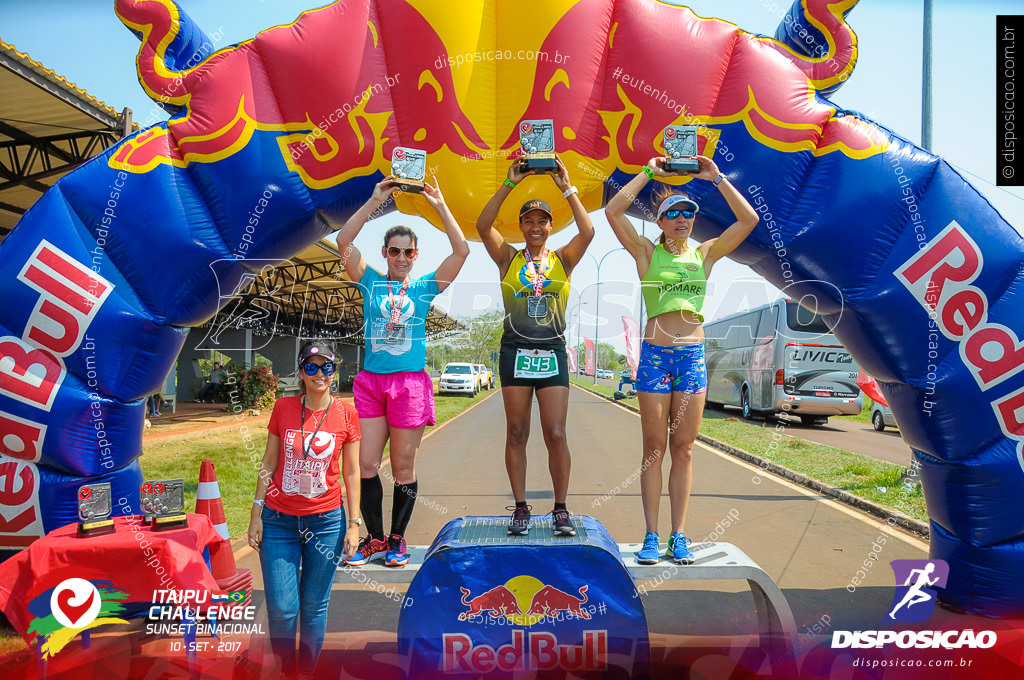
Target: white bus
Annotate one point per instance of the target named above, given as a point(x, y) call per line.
point(780, 358)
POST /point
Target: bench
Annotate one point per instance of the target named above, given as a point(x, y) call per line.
point(289, 386)
point(169, 398)
point(712, 562)
point(720, 561)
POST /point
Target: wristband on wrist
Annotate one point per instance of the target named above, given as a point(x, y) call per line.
point(260, 502)
point(718, 180)
point(509, 183)
point(569, 192)
point(648, 171)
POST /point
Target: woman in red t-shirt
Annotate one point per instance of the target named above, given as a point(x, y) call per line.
point(297, 515)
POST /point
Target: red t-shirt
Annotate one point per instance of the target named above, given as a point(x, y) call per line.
point(304, 485)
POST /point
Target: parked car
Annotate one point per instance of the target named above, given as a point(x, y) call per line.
point(605, 373)
point(486, 377)
point(881, 416)
point(459, 377)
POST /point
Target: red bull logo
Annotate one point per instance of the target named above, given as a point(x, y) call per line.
point(526, 652)
point(530, 595)
point(592, 75)
point(525, 601)
point(498, 601)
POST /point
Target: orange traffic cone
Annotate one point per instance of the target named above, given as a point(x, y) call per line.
point(208, 502)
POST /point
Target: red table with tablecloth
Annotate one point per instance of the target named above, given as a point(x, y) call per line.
point(134, 558)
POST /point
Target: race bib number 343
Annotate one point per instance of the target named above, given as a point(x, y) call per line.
point(536, 363)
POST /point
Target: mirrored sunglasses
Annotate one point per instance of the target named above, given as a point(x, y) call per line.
point(310, 368)
point(394, 251)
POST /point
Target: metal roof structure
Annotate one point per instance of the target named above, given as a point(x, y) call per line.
point(48, 127)
point(308, 296)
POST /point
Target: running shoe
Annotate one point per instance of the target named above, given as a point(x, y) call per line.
point(519, 525)
point(649, 554)
point(368, 547)
point(396, 555)
point(678, 548)
point(561, 524)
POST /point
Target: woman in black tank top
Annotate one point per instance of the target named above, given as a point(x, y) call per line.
point(539, 365)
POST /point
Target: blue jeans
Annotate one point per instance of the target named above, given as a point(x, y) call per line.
point(295, 595)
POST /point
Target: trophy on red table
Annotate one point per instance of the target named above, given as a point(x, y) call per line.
point(164, 500)
point(94, 510)
point(681, 149)
point(537, 141)
point(409, 166)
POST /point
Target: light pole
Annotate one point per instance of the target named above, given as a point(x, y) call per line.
point(597, 309)
point(579, 325)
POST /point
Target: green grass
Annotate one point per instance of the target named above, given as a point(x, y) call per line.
point(236, 464)
point(855, 473)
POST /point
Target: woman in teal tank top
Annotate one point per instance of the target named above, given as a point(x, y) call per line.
point(672, 377)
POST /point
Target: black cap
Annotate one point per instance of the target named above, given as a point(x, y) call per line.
point(315, 349)
point(535, 204)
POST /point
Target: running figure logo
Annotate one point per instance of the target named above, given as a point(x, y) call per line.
point(914, 601)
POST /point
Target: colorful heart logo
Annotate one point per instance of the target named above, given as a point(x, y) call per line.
point(75, 603)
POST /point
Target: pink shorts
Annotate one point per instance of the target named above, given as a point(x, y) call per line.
point(405, 399)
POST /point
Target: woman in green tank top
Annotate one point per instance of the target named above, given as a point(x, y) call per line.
point(672, 377)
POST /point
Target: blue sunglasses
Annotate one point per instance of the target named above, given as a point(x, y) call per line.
point(672, 214)
point(310, 368)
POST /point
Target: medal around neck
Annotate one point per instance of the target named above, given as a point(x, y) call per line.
point(681, 149)
point(164, 501)
point(94, 509)
point(537, 141)
point(409, 166)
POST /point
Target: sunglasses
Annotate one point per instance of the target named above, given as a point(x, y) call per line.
point(394, 251)
point(672, 214)
point(310, 368)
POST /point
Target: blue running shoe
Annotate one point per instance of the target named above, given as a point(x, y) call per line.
point(649, 553)
point(678, 548)
point(396, 555)
point(368, 547)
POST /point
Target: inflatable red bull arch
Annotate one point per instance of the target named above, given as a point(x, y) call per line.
point(272, 143)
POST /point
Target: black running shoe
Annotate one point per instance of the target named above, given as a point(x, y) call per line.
point(520, 522)
point(562, 526)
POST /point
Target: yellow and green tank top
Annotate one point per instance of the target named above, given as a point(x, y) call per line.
point(546, 325)
point(674, 283)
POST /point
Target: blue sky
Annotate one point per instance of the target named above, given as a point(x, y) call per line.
point(83, 41)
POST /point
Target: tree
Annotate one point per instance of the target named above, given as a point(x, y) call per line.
point(476, 344)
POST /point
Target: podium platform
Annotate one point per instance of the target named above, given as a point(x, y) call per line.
point(483, 602)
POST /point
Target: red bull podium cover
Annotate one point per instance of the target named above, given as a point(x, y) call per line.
point(486, 603)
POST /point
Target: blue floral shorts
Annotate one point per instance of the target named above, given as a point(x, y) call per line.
point(679, 368)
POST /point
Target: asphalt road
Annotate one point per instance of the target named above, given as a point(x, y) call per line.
point(843, 433)
point(811, 546)
point(830, 561)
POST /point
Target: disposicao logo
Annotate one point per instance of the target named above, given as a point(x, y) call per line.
point(72, 606)
point(913, 602)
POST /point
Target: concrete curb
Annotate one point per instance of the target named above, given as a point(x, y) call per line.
point(888, 514)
